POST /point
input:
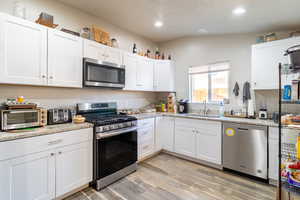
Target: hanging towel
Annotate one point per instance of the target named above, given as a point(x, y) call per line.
point(236, 89)
point(246, 92)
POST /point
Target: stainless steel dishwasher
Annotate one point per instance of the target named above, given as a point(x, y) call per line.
point(245, 149)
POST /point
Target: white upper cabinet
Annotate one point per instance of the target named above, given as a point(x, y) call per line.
point(23, 52)
point(64, 59)
point(164, 76)
point(101, 52)
point(113, 55)
point(93, 50)
point(265, 60)
point(145, 73)
point(139, 72)
point(131, 65)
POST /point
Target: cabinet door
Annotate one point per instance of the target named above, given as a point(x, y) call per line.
point(164, 76)
point(23, 52)
point(209, 142)
point(113, 55)
point(265, 60)
point(145, 141)
point(185, 141)
point(73, 167)
point(93, 50)
point(131, 65)
point(145, 73)
point(30, 177)
point(64, 59)
point(273, 153)
point(166, 133)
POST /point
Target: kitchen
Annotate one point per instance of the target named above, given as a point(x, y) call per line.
point(153, 112)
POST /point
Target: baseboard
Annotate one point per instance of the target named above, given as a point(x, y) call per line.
point(149, 156)
point(72, 192)
point(198, 161)
point(273, 182)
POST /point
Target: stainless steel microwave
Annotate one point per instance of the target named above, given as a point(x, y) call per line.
point(103, 74)
point(22, 118)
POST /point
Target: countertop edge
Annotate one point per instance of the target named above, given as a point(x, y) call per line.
point(258, 122)
point(48, 130)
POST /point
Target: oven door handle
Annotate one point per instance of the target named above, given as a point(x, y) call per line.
point(20, 111)
point(100, 136)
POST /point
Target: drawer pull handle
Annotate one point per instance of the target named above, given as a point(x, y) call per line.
point(55, 142)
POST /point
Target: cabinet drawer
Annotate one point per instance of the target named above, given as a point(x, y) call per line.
point(146, 122)
point(203, 125)
point(146, 133)
point(26, 146)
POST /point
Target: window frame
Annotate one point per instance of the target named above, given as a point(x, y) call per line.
point(209, 74)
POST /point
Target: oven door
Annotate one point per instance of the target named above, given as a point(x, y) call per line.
point(103, 74)
point(115, 153)
point(16, 119)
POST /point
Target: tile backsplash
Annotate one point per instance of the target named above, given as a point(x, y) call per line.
point(68, 97)
point(270, 99)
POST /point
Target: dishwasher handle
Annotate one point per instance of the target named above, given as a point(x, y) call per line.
point(243, 129)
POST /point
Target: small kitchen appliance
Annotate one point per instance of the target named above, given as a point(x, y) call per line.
point(183, 106)
point(263, 113)
point(22, 118)
point(103, 74)
point(115, 142)
point(59, 116)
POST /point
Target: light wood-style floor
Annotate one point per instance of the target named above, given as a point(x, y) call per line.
point(165, 177)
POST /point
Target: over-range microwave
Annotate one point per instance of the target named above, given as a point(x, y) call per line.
point(103, 74)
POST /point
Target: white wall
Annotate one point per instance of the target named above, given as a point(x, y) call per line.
point(210, 49)
point(74, 19)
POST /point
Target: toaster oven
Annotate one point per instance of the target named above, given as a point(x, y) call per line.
point(22, 118)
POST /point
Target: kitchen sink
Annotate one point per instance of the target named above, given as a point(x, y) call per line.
point(201, 115)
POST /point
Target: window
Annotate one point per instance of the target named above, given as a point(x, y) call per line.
point(209, 83)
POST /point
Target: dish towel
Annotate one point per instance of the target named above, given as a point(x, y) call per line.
point(236, 89)
point(246, 92)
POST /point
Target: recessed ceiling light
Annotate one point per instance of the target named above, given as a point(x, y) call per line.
point(158, 24)
point(239, 11)
point(202, 30)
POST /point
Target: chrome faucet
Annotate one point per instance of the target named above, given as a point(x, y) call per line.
point(205, 110)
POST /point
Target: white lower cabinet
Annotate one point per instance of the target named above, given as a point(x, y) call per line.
point(146, 137)
point(209, 142)
point(165, 133)
point(73, 167)
point(29, 177)
point(53, 169)
point(185, 141)
point(200, 139)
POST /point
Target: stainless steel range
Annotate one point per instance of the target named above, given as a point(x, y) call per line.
point(115, 142)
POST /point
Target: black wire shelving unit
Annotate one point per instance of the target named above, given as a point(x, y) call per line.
point(285, 190)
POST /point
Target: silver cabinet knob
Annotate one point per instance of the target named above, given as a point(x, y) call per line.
point(51, 77)
point(59, 152)
point(52, 154)
point(43, 76)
